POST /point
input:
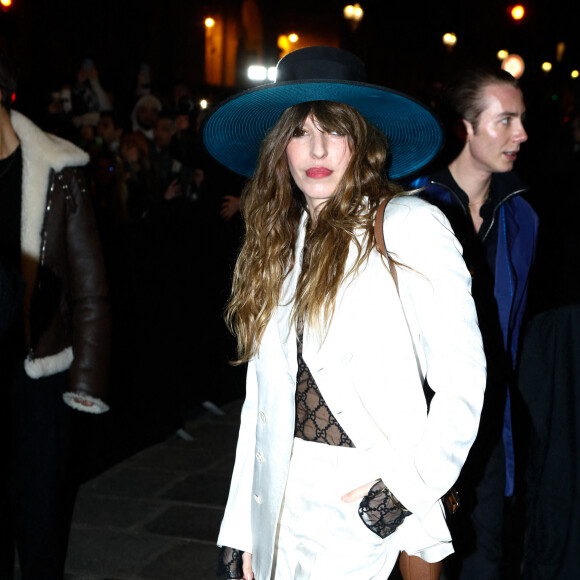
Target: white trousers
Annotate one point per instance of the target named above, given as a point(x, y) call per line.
point(319, 536)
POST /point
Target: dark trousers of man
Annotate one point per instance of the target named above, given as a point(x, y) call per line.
point(476, 528)
point(37, 493)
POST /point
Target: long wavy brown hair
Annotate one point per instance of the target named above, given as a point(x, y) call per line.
point(272, 207)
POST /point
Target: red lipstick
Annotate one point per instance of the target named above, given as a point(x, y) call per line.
point(318, 172)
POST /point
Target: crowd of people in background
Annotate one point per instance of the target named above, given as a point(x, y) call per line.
point(170, 227)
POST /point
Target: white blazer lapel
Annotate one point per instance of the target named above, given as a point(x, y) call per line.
point(284, 310)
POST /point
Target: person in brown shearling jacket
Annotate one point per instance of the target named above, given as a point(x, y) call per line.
point(54, 357)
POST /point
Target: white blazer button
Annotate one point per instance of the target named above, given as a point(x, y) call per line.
point(257, 498)
point(263, 416)
point(260, 457)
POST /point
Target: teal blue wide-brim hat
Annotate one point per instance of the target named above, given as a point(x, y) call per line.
point(234, 131)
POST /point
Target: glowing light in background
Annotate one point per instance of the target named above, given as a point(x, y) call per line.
point(261, 73)
point(353, 12)
point(257, 73)
point(517, 12)
point(449, 39)
point(514, 64)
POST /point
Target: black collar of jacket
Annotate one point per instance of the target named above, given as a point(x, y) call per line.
point(503, 186)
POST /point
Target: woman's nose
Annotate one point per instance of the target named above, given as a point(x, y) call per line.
point(318, 146)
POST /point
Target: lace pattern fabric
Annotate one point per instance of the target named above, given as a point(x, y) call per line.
point(230, 564)
point(314, 419)
point(380, 510)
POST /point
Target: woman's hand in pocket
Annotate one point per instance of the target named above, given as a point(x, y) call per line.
point(358, 493)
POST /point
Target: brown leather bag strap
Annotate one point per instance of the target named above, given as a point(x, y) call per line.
point(380, 239)
point(415, 568)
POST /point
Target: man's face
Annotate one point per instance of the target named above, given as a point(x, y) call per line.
point(147, 115)
point(163, 132)
point(106, 130)
point(494, 144)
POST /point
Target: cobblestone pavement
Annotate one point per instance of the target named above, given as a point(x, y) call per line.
point(156, 515)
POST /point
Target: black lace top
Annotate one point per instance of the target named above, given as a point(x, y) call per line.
point(314, 420)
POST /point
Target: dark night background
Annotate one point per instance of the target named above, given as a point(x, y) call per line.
point(399, 41)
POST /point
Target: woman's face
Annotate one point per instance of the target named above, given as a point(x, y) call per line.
point(129, 152)
point(317, 162)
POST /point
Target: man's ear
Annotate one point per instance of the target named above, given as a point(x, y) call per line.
point(462, 130)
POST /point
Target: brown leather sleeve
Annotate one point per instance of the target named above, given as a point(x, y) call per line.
point(91, 318)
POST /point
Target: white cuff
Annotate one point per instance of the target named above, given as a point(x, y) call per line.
point(75, 400)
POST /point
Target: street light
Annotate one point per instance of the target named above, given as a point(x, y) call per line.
point(285, 42)
point(546, 66)
point(449, 40)
point(353, 12)
point(560, 50)
point(517, 12)
point(514, 64)
point(214, 50)
point(574, 74)
point(502, 54)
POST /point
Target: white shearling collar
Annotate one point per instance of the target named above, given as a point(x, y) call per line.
point(41, 153)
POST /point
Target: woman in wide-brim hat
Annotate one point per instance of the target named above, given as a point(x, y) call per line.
point(339, 467)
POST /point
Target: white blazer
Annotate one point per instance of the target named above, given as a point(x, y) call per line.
point(368, 370)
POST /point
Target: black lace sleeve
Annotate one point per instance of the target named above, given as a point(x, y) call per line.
point(230, 564)
point(380, 511)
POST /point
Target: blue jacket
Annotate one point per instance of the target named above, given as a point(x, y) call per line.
point(506, 242)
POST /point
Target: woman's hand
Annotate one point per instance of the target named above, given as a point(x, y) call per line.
point(247, 566)
point(358, 493)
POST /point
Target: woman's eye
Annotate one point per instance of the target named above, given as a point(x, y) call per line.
point(299, 132)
